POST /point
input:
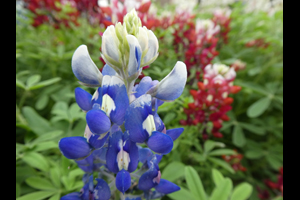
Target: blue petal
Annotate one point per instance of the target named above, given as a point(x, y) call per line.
point(135, 53)
point(97, 97)
point(172, 85)
point(112, 152)
point(131, 148)
point(174, 133)
point(74, 147)
point(160, 143)
point(159, 125)
point(98, 141)
point(114, 87)
point(71, 196)
point(84, 68)
point(99, 157)
point(86, 164)
point(97, 121)
point(133, 198)
point(107, 70)
point(143, 86)
point(83, 99)
point(144, 154)
point(146, 180)
point(123, 181)
point(166, 187)
point(102, 190)
point(158, 158)
point(135, 115)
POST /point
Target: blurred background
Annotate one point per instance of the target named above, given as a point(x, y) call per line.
point(233, 121)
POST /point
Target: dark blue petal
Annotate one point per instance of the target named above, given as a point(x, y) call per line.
point(135, 115)
point(97, 97)
point(97, 141)
point(102, 190)
point(83, 99)
point(166, 187)
point(86, 164)
point(112, 152)
point(71, 196)
point(97, 121)
point(174, 133)
point(144, 154)
point(138, 56)
point(107, 70)
point(146, 181)
point(131, 148)
point(160, 143)
point(123, 181)
point(85, 192)
point(74, 147)
point(158, 158)
point(114, 87)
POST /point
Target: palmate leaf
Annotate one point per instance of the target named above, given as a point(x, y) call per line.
point(194, 183)
point(173, 171)
point(242, 191)
point(40, 183)
point(37, 195)
point(222, 190)
point(258, 107)
point(36, 160)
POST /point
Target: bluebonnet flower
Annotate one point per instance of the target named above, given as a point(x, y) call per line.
point(120, 116)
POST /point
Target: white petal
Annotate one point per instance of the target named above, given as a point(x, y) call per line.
point(110, 43)
point(84, 68)
point(133, 64)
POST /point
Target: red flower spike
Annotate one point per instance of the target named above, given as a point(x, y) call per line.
point(218, 135)
point(201, 86)
point(228, 101)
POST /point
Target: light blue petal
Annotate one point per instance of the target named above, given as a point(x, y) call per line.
point(172, 85)
point(107, 70)
point(84, 68)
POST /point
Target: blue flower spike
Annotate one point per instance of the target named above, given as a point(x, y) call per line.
point(120, 115)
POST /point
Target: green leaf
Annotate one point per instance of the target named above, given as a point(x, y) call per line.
point(20, 84)
point(194, 183)
point(209, 145)
point(222, 163)
point(42, 102)
point(67, 183)
point(169, 117)
point(242, 191)
point(253, 128)
point(33, 80)
point(181, 194)
point(258, 107)
point(238, 137)
point(55, 197)
point(36, 160)
point(220, 152)
point(254, 154)
point(45, 146)
point(45, 83)
point(38, 124)
point(18, 190)
point(274, 162)
point(55, 176)
point(173, 171)
point(222, 191)
point(39, 183)
point(75, 172)
point(217, 176)
point(37, 195)
point(48, 136)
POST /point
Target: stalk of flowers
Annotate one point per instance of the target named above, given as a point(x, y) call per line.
point(122, 116)
point(211, 100)
point(222, 18)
